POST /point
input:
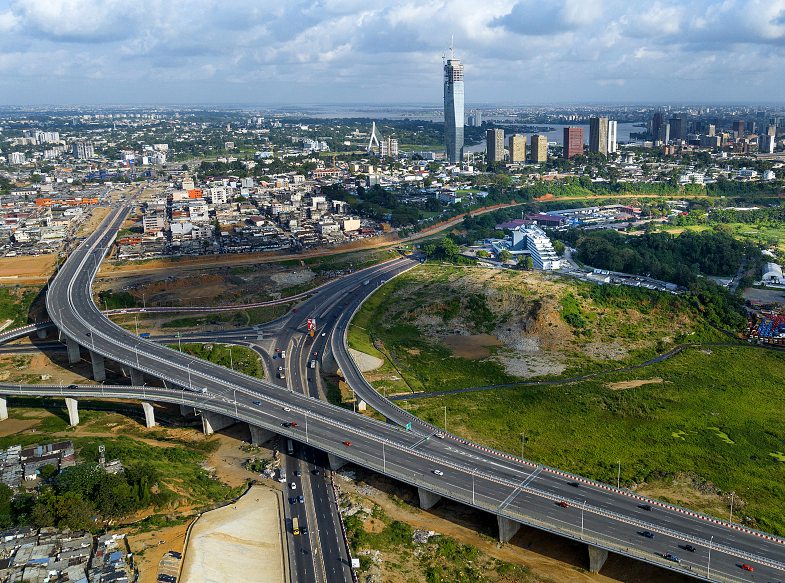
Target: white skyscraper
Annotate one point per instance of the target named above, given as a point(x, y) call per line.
point(612, 128)
point(453, 109)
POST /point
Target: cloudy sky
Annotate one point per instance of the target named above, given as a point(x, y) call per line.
point(385, 51)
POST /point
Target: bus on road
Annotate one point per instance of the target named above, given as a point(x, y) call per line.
point(295, 525)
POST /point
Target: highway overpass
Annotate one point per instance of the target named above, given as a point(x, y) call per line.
point(516, 491)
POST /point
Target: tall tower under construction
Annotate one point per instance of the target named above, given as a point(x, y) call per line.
point(453, 108)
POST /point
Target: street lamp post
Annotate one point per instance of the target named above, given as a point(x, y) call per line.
point(523, 441)
point(618, 476)
point(136, 323)
point(306, 427)
point(732, 495)
point(445, 417)
point(384, 460)
point(474, 470)
point(190, 384)
point(231, 362)
point(583, 509)
point(708, 565)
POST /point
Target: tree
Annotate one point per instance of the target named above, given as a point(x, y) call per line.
point(504, 255)
point(47, 472)
point(559, 247)
point(525, 262)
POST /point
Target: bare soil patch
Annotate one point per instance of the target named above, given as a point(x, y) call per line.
point(150, 547)
point(239, 542)
point(621, 385)
point(471, 347)
point(27, 269)
point(366, 362)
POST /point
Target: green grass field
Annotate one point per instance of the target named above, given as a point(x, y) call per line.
point(763, 234)
point(717, 415)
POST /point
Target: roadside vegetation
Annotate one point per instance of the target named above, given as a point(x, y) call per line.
point(15, 303)
point(691, 429)
point(156, 479)
point(386, 547)
point(239, 358)
point(445, 327)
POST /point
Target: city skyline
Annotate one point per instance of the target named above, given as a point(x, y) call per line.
point(200, 52)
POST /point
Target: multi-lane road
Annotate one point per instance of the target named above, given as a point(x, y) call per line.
point(513, 489)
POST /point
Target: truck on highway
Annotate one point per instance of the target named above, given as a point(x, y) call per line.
point(144, 335)
point(295, 525)
point(282, 474)
point(313, 363)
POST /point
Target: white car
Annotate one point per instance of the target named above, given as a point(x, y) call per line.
point(287, 409)
point(438, 472)
point(293, 486)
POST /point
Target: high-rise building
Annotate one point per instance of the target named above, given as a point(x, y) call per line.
point(613, 127)
point(711, 130)
point(766, 144)
point(453, 109)
point(517, 145)
point(494, 145)
point(665, 134)
point(538, 149)
point(657, 121)
point(573, 142)
point(17, 158)
point(738, 127)
point(598, 135)
point(678, 128)
point(388, 147)
point(771, 130)
point(475, 119)
point(83, 150)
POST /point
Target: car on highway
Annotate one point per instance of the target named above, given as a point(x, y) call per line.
point(688, 548)
point(287, 409)
point(748, 567)
point(647, 534)
point(303, 530)
point(257, 403)
point(293, 486)
point(293, 424)
point(671, 557)
point(439, 435)
point(563, 504)
point(316, 354)
point(292, 499)
point(73, 387)
point(297, 473)
point(286, 424)
point(645, 507)
point(278, 350)
point(438, 472)
point(324, 333)
point(301, 500)
point(315, 472)
point(575, 484)
point(347, 443)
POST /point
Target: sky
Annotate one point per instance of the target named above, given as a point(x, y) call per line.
point(278, 52)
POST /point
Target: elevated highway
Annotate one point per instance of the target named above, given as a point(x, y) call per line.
point(516, 491)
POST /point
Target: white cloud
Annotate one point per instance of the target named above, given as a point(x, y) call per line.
point(387, 50)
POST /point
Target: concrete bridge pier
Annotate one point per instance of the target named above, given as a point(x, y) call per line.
point(259, 435)
point(507, 528)
point(73, 350)
point(427, 499)
point(149, 414)
point(597, 558)
point(3, 409)
point(42, 333)
point(361, 405)
point(99, 370)
point(73, 411)
point(137, 377)
point(335, 462)
point(212, 422)
point(187, 411)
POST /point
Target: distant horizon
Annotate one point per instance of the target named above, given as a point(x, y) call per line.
point(229, 106)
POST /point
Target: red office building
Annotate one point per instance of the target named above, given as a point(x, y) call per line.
point(573, 142)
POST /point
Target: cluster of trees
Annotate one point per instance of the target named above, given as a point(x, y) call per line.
point(79, 497)
point(262, 171)
point(725, 187)
point(678, 259)
point(446, 249)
